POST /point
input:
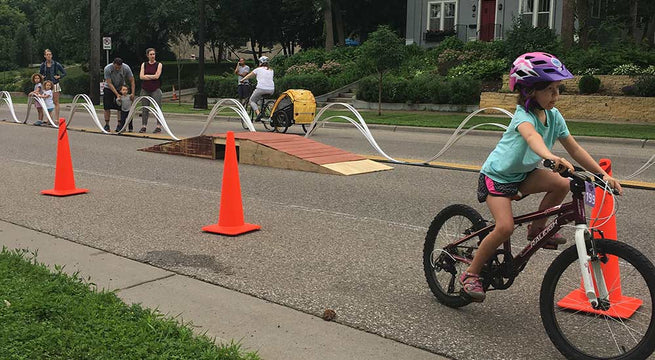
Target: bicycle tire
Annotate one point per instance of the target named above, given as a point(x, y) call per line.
point(613, 337)
point(266, 115)
point(282, 122)
point(450, 224)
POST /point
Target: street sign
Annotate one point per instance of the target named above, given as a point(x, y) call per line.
point(106, 43)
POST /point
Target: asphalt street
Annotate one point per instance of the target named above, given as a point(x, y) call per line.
point(348, 243)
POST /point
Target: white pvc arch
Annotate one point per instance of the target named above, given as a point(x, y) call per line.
point(360, 124)
point(154, 109)
point(88, 105)
point(30, 100)
point(4, 95)
point(235, 106)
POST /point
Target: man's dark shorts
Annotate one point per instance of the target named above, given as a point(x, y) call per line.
point(244, 91)
point(109, 101)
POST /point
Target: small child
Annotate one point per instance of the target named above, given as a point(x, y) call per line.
point(125, 103)
point(37, 80)
point(47, 96)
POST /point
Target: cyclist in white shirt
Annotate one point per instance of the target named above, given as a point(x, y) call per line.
point(265, 84)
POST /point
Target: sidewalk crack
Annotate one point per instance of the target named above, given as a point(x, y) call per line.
point(147, 281)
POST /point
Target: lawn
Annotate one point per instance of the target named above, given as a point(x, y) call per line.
point(52, 315)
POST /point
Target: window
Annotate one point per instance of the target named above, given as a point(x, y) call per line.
point(537, 12)
point(442, 15)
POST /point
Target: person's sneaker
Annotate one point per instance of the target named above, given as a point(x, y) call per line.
point(472, 286)
point(552, 243)
point(38, 123)
point(157, 130)
point(107, 127)
point(142, 130)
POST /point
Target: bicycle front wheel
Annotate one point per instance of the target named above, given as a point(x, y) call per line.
point(608, 334)
point(266, 115)
point(442, 270)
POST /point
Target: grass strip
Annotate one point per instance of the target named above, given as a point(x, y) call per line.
point(53, 315)
point(439, 120)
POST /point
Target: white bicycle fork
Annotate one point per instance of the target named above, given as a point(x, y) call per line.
point(587, 278)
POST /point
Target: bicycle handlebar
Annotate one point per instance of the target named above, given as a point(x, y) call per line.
point(596, 179)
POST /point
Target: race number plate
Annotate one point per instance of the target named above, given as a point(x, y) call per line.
point(590, 194)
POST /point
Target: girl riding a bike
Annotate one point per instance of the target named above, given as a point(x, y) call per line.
point(510, 172)
point(265, 84)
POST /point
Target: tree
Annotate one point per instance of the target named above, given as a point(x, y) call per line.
point(12, 23)
point(382, 51)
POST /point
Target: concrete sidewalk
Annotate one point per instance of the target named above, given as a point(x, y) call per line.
point(274, 331)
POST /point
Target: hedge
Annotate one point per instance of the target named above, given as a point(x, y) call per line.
point(421, 89)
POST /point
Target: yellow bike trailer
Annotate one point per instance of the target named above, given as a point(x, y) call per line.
point(294, 106)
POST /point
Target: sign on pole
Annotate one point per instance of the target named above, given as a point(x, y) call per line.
point(106, 43)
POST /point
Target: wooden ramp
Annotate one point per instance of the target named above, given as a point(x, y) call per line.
point(284, 151)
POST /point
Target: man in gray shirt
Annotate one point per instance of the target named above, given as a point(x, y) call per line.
point(116, 75)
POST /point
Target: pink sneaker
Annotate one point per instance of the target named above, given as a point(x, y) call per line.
point(472, 286)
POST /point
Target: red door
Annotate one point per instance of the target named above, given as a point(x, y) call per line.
point(487, 19)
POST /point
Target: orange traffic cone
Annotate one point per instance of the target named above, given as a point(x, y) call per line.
point(230, 217)
point(174, 93)
point(64, 177)
point(604, 220)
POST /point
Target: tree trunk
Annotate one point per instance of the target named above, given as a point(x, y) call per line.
point(252, 48)
point(649, 32)
point(329, 30)
point(568, 23)
point(380, 95)
point(339, 24)
point(583, 22)
point(633, 30)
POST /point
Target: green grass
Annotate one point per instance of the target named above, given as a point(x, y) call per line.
point(452, 121)
point(52, 315)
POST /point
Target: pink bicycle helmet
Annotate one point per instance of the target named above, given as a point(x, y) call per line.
point(534, 67)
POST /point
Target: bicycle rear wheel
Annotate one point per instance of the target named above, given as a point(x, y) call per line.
point(442, 271)
point(605, 335)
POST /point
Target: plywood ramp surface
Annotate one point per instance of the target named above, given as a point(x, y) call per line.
point(298, 153)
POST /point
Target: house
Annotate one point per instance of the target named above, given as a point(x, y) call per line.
point(429, 21)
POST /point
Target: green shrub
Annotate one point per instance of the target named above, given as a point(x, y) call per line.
point(589, 84)
point(221, 86)
point(482, 70)
point(317, 83)
point(308, 68)
point(451, 42)
point(421, 89)
point(645, 86)
point(76, 84)
point(627, 69)
point(523, 38)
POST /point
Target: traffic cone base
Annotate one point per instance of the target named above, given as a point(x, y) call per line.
point(231, 230)
point(622, 308)
point(55, 192)
point(64, 176)
point(230, 217)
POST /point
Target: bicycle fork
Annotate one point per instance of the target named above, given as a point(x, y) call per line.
point(591, 264)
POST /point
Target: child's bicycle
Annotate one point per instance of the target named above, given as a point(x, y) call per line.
point(609, 322)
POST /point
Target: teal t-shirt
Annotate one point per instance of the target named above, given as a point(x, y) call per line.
point(512, 159)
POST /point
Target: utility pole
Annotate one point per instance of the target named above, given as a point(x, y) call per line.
point(200, 101)
point(94, 51)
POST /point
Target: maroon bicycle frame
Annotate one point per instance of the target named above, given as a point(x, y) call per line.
point(566, 213)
